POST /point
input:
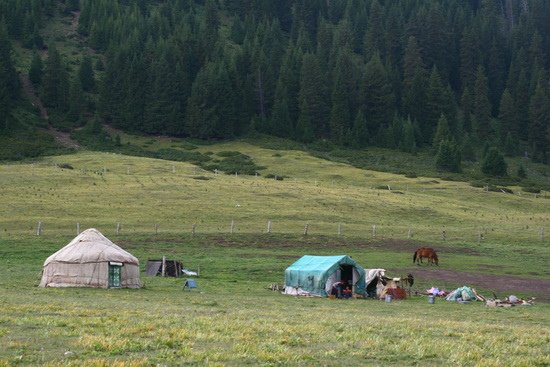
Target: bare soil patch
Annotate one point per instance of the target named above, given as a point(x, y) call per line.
point(502, 285)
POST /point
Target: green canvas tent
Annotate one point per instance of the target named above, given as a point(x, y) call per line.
point(315, 275)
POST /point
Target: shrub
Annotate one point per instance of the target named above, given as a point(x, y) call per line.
point(234, 162)
point(65, 165)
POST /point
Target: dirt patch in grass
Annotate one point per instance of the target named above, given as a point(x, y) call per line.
point(502, 285)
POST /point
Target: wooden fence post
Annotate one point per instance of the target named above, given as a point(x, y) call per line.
point(409, 234)
point(117, 229)
point(305, 229)
point(163, 265)
point(232, 227)
point(77, 229)
point(193, 229)
point(268, 226)
point(156, 228)
point(373, 230)
point(339, 229)
point(39, 229)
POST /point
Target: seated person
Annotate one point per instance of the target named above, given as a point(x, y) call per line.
point(347, 292)
point(337, 289)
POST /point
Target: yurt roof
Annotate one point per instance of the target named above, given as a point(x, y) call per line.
point(91, 246)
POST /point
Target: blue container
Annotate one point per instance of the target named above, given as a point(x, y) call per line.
point(431, 299)
point(388, 298)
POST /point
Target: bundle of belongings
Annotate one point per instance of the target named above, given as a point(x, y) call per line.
point(464, 295)
point(510, 301)
point(434, 291)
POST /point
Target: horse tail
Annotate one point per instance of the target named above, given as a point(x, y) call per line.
point(414, 256)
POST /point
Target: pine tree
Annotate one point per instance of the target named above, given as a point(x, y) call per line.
point(360, 133)
point(77, 102)
point(9, 83)
point(36, 69)
point(408, 140)
point(344, 97)
point(435, 102)
point(312, 121)
point(482, 106)
point(211, 26)
point(506, 115)
point(448, 157)
point(494, 164)
point(56, 81)
point(442, 133)
point(378, 97)
point(86, 74)
point(521, 172)
point(414, 81)
point(539, 127)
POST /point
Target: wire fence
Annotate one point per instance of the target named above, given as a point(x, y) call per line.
point(340, 230)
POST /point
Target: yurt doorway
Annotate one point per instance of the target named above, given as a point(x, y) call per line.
point(115, 270)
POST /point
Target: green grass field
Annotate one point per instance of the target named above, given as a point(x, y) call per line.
point(232, 319)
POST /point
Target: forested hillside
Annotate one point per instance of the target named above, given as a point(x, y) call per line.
point(454, 76)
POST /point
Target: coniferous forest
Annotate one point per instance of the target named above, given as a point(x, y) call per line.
point(453, 76)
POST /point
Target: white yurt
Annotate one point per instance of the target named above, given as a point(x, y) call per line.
point(91, 260)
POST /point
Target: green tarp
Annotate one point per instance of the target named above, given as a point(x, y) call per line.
point(316, 274)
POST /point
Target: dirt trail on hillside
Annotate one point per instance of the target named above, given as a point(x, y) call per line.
point(28, 88)
point(61, 137)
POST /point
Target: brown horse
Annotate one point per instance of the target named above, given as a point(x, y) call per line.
point(425, 252)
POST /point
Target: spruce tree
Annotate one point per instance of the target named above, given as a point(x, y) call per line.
point(539, 127)
point(521, 172)
point(494, 164)
point(448, 157)
point(378, 97)
point(408, 140)
point(36, 69)
point(482, 106)
point(442, 133)
point(313, 100)
point(55, 83)
point(86, 74)
point(360, 134)
point(343, 97)
point(77, 102)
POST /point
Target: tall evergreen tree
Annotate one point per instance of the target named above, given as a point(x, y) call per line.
point(312, 121)
point(344, 97)
point(442, 133)
point(86, 74)
point(414, 81)
point(9, 84)
point(36, 69)
point(77, 102)
point(539, 128)
point(360, 134)
point(378, 102)
point(494, 164)
point(448, 157)
point(56, 81)
point(482, 106)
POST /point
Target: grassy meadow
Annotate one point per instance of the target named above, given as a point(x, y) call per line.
point(232, 318)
